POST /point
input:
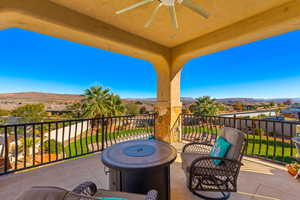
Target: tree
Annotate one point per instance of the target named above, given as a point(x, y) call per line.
point(139, 103)
point(4, 112)
point(238, 106)
point(74, 111)
point(143, 110)
point(277, 112)
point(31, 112)
point(99, 102)
point(115, 107)
point(3, 121)
point(287, 102)
point(205, 106)
point(96, 102)
point(132, 108)
point(272, 104)
point(265, 106)
point(186, 109)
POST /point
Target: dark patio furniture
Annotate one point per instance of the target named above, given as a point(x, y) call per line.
point(202, 175)
point(139, 166)
point(90, 189)
point(84, 191)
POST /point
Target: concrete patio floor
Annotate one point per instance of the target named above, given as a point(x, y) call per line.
point(257, 180)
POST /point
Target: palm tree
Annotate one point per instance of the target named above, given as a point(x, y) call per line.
point(116, 107)
point(96, 102)
point(206, 106)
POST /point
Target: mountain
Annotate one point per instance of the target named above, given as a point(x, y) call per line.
point(245, 100)
point(141, 99)
point(23, 97)
point(40, 97)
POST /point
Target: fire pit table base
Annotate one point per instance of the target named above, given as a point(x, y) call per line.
point(141, 181)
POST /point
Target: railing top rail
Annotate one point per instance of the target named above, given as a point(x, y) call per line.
point(75, 120)
point(265, 120)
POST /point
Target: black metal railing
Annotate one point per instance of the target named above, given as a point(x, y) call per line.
point(28, 145)
point(267, 139)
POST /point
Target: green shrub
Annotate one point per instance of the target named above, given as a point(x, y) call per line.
point(272, 134)
point(259, 131)
point(52, 146)
point(4, 112)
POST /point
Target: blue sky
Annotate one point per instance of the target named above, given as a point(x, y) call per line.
point(35, 62)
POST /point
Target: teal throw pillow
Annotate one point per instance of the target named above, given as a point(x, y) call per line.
point(219, 149)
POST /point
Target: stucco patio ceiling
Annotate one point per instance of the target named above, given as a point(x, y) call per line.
point(94, 23)
point(191, 25)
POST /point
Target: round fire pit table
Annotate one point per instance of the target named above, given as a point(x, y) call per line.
point(139, 166)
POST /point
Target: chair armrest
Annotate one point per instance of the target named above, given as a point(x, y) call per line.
point(86, 188)
point(152, 195)
point(197, 147)
point(228, 167)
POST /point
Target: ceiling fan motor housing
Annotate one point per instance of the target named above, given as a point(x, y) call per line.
point(168, 2)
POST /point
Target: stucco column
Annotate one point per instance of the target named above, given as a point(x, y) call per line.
point(168, 106)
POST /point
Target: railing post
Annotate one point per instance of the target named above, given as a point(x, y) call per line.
point(6, 151)
point(154, 120)
point(234, 121)
point(103, 132)
point(180, 127)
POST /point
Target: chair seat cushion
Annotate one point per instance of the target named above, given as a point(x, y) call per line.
point(205, 167)
point(44, 192)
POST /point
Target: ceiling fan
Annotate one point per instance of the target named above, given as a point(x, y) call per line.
point(171, 5)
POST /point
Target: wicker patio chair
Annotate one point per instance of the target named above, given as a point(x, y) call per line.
point(202, 175)
point(84, 191)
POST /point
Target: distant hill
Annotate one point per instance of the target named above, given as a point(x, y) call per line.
point(223, 100)
point(69, 98)
point(247, 100)
point(40, 97)
point(183, 99)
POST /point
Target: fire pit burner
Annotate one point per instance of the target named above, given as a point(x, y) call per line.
point(139, 150)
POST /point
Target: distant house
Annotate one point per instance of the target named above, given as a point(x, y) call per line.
point(57, 112)
point(274, 118)
point(293, 111)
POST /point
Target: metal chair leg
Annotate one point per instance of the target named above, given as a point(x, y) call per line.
point(225, 195)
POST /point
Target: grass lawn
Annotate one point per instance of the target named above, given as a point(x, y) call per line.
point(262, 146)
point(271, 148)
point(90, 142)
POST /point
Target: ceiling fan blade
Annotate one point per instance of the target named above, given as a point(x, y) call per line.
point(134, 6)
point(173, 15)
point(195, 8)
point(149, 22)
